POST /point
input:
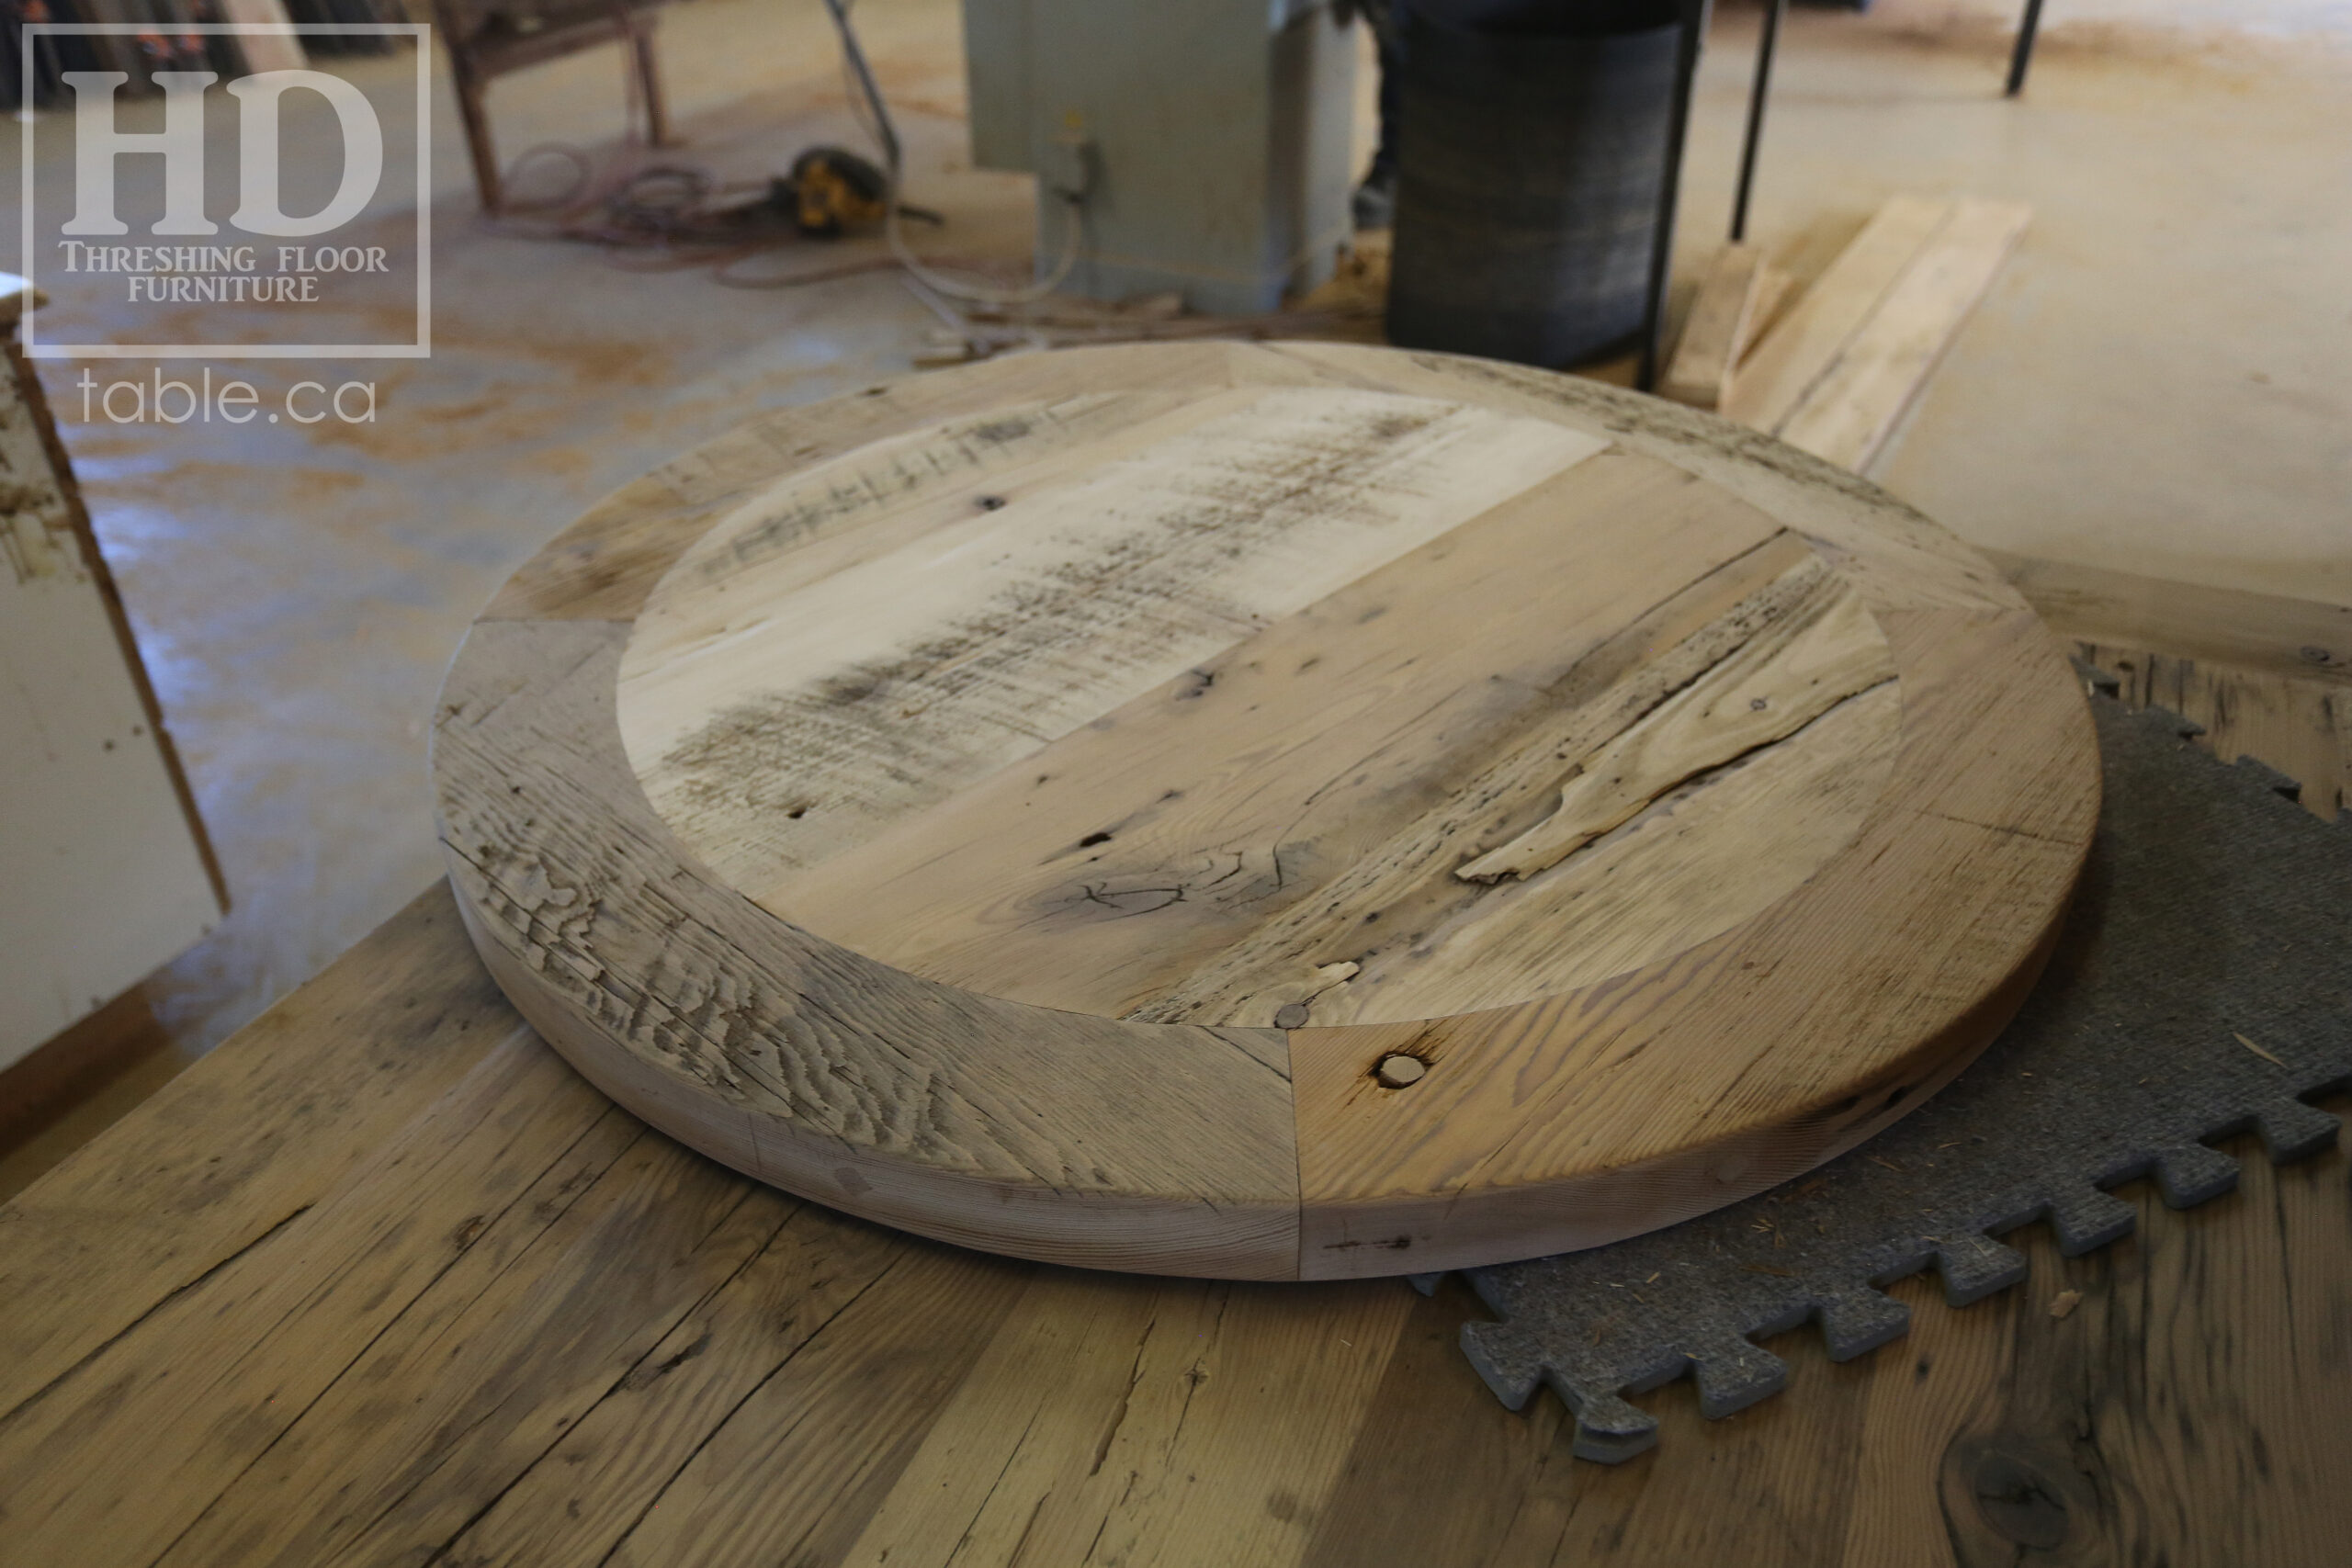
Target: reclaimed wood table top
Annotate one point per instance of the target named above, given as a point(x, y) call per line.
point(382, 1280)
point(1263, 811)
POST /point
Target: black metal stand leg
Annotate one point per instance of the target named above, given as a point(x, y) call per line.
point(1756, 96)
point(2023, 57)
point(1686, 66)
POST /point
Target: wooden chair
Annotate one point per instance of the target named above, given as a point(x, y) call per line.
point(488, 39)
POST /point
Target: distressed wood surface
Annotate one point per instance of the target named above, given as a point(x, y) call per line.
point(1029, 808)
point(2300, 730)
point(383, 1281)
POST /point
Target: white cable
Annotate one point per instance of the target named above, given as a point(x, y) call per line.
point(875, 124)
point(973, 292)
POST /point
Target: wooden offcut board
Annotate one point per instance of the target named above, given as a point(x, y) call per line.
point(1261, 811)
point(1835, 374)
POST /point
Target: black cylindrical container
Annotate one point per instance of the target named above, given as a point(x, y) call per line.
point(1530, 160)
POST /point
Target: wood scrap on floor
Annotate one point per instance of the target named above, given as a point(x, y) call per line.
point(1847, 412)
point(1796, 353)
point(1717, 328)
point(1774, 286)
point(1835, 375)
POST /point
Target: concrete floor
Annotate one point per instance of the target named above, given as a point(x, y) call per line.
point(2156, 382)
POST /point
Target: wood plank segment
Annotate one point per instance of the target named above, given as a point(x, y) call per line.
point(1143, 1421)
point(1894, 557)
point(924, 1106)
point(2302, 639)
point(2186, 1411)
point(1716, 330)
point(796, 1470)
point(2261, 676)
point(1826, 651)
point(1849, 412)
point(818, 1289)
point(506, 1152)
point(2302, 730)
point(1570, 1096)
point(1660, 883)
point(1401, 915)
point(504, 1359)
point(95, 1246)
point(1774, 289)
point(603, 566)
point(1266, 776)
point(884, 685)
point(1797, 353)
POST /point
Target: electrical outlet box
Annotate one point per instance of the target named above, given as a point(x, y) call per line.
point(1210, 142)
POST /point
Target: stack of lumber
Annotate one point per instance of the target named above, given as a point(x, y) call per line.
point(1835, 372)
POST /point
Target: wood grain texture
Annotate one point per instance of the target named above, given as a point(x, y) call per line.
point(873, 680)
point(1217, 904)
point(1774, 286)
point(1826, 650)
point(2256, 674)
point(1794, 356)
point(1419, 933)
point(1847, 416)
point(1717, 330)
point(2299, 729)
point(981, 826)
point(934, 1108)
point(623, 1354)
point(2298, 639)
point(1628, 1105)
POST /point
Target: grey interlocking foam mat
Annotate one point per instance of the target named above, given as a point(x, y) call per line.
point(2202, 986)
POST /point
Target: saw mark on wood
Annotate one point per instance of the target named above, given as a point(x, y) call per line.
point(981, 639)
point(1781, 680)
point(1730, 624)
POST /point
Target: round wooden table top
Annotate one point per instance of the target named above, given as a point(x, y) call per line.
point(1267, 811)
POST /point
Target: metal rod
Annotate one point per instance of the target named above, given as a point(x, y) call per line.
point(856, 54)
point(2023, 56)
point(1756, 96)
point(1686, 66)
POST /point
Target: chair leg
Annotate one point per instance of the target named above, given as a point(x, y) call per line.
point(475, 112)
point(648, 83)
point(2021, 57)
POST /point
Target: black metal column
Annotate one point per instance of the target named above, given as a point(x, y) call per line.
point(1756, 96)
point(2023, 55)
point(1686, 66)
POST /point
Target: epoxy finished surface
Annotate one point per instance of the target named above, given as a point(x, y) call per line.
point(1272, 812)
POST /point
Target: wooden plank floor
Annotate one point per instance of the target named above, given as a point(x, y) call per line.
point(383, 1281)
